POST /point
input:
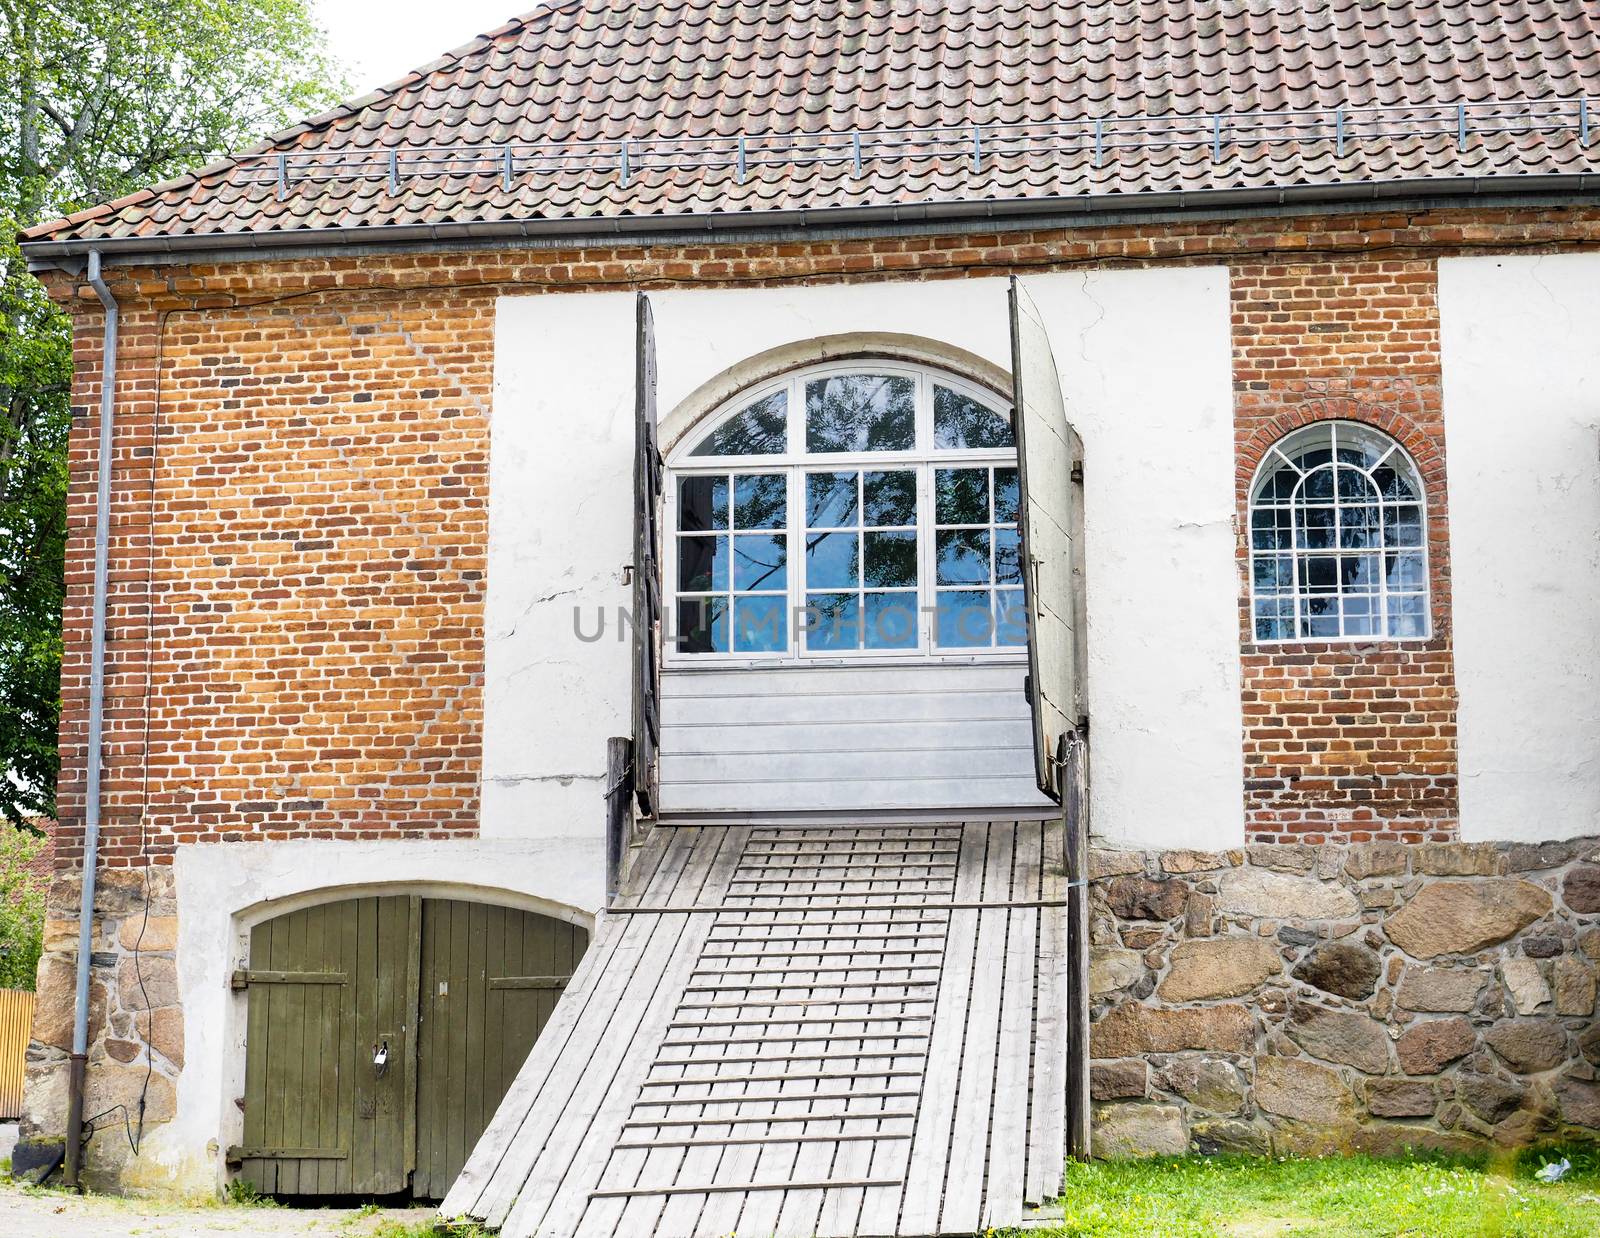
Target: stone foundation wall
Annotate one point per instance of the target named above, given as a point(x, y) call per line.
point(1371, 997)
point(135, 1016)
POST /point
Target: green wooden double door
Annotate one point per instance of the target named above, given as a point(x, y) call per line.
point(383, 1033)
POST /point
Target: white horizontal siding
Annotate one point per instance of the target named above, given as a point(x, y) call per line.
point(869, 738)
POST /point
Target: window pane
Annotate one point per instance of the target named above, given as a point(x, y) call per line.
point(960, 421)
point(1408, 615)
point(1273, 629)
point(1403, 571)
point(861, 412)
point(891, 621)
point(702, 503)
point(1274, 619)
point(833, 561)
point(1358, 572)
point(702, 564)
point(833, 621)
point(1353, 484)
point(760, 501)
point(1011, 617)
point(1404, 525)
point(831, 501)
point(760, 625)
point(963, 556)
point(1392, 484)
point(1269, 529)
point(760, 430)
point(760, 561)
point(1319, 616)
point(1282, 486)
point(963, 618)
point(891, 559)
point(1007, 496)
point(1319, 574)
point(891, 498)
point(961, 496)
point(1358, 527)
point(1360, 446)
point(703, 625)
point(1007, 557)
point(1315, 527)
point(1272, 573)
point(1361, 615)
point(1318, 487)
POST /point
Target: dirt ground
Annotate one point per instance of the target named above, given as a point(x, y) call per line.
point(56, 1214)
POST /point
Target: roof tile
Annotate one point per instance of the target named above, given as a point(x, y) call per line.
point(685, 71)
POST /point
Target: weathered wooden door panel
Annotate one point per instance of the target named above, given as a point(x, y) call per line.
point(328, 987)
point(491, 977)
point(1049, 455)
point(451, 993)
point(647, 481)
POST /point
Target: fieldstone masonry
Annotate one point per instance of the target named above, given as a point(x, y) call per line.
point(1371, 997)
point(135, 1015)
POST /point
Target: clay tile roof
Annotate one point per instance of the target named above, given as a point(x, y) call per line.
point(683, 80)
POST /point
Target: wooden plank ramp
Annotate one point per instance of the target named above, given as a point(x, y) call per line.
point(799, 1031)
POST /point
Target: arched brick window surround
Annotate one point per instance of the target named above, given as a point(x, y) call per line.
point(1338, 538)
point(1425, 453)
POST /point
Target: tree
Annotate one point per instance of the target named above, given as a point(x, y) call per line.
point(98, 98)
point(22, 904)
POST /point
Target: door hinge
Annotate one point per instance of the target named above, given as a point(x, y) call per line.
point(243, 978)
point(1077, 471)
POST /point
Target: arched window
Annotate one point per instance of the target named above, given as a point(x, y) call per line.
point(1338, 538)
point(848, 510)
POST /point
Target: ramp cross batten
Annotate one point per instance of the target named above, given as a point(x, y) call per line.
point(1216, 134)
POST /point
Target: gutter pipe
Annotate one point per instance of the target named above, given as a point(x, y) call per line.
point(95, 752)
point(829, 223)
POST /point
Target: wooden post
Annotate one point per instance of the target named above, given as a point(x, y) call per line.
point(1075, 821)
point(619, 790)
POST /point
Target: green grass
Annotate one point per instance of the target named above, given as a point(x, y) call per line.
point(430, 1228)
point(1343, 1197)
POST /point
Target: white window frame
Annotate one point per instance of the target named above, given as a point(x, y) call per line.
point(796, 462)
point(1278, 457)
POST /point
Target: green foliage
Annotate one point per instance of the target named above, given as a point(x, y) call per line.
point(431, 1227)
point(35, 375)
point(99, 98)
point(22, 894)
point(1339, 1197)
point(242, 1194)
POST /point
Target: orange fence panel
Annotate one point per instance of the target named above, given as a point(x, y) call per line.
point(16, 1024)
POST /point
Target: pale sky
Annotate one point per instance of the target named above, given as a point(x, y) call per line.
point(379, 40)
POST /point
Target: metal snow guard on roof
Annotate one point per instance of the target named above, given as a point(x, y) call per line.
point(1222, 133)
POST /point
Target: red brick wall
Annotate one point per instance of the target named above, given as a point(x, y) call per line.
point(300, 530)
point(1342, 739)
point(295, 635)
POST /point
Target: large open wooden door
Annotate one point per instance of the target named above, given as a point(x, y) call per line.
point(1050, 458)
point(382, 1033)
point(646, 569)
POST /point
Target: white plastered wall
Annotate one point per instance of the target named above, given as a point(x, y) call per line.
point(1144, 360)
point(1521, 357)
point(223, 890)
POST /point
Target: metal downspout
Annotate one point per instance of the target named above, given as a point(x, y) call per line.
point(94, 753)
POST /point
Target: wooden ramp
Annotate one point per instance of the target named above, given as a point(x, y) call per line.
point(801, 1031)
